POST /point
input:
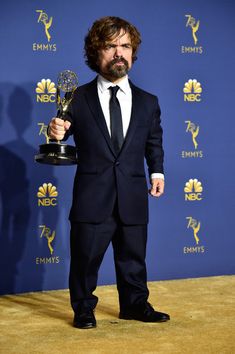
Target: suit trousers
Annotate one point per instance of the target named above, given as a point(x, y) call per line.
point(88, 242)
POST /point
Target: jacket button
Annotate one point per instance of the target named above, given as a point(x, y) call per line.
point(117, 163)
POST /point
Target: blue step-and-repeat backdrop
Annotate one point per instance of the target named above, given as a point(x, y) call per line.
point(187, 58)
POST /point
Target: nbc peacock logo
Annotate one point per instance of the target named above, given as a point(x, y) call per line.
point(46, 91)
point(192, 91)
point(47, 195)
point(193, 190)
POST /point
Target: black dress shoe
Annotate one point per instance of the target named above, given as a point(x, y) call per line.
point(145, 313)
point(84, 319)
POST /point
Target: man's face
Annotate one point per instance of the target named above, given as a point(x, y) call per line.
point(115, 60)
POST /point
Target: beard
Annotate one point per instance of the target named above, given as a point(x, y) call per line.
point(118, 71)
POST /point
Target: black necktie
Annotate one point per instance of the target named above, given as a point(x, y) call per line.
point(115, 119)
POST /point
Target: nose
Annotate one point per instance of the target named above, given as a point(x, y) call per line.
point(118, 51)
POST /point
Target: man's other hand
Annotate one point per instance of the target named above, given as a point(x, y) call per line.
point(157, 187)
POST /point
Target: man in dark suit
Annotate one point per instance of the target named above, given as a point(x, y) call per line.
point(115, 125)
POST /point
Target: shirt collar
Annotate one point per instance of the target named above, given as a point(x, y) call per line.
point(103, 84)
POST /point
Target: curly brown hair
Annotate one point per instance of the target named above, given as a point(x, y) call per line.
point(104, 30)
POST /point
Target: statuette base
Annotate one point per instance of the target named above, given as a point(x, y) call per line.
point(57, 154)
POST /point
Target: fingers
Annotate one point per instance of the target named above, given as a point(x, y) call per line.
point(157, 187)
point(67, 125)
point(58, 128)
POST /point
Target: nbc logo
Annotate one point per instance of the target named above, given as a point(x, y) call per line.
point(193, 190)
point(47, 195)
point(192, 91)
point(45, 91)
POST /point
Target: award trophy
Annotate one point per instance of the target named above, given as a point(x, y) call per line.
point(57, 153)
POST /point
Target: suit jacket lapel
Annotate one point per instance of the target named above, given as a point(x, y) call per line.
point(94, 104)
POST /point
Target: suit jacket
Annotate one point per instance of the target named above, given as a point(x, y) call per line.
point(104, 178)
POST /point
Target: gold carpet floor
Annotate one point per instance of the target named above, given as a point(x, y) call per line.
point(202, 321)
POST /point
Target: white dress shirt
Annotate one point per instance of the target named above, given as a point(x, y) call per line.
point(124, 96)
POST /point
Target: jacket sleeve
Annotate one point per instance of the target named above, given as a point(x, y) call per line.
point(154, 153)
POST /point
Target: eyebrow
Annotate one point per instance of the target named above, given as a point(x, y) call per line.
point(116, 45)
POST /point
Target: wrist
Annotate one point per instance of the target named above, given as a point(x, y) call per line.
point(157, 175)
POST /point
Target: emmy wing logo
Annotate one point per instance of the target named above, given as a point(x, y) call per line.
point(46, 91)
point(195, 226)
point(193, 25)
point(193, 190)
point(43, 131)
point(47, 234)
point(192, 129)
point(47, 195)
point(192, 91)
point(45, 22)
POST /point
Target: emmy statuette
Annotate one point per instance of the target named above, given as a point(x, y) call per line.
point(57, 153)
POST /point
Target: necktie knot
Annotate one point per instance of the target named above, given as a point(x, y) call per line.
point(114, 90)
